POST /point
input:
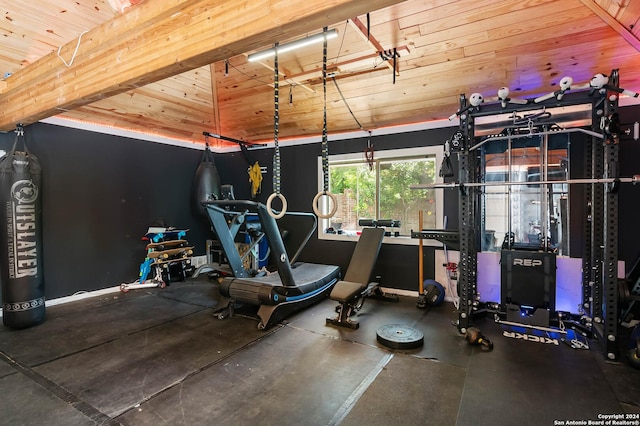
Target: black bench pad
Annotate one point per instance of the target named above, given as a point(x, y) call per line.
point(344, 291)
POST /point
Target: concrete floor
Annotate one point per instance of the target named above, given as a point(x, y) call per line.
point(158, 356)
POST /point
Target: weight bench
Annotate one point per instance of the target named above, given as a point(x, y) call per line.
point(351, 291)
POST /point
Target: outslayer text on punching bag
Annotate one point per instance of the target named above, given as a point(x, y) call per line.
point(21, 239)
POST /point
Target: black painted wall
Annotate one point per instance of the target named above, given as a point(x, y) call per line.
point(101, 192)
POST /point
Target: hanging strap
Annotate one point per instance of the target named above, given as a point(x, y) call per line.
point(325, 144)
point(21, 152)
point(446, 168)
point(19, 134)
point(395, 64)
point(207, 152)
point(276, 155)
point(369, 153)
point(276, 123)
point(368, 27)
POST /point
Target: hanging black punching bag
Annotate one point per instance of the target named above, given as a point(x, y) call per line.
point(21, 235)
point(206, 183)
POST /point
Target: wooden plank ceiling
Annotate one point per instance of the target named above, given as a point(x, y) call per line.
point(176, 68)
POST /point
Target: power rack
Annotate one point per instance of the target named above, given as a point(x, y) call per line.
point(599, 306)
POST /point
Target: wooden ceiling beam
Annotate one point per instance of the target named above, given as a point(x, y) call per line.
point(156, 40)
point(371, 41)
point(613, 23)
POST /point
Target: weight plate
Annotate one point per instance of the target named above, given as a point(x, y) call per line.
point(624, 296)
point(397, 336)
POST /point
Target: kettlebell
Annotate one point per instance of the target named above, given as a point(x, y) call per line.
point(634, 355)
point(475, 337)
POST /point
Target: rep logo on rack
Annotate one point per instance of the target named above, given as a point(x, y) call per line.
point(526, 262)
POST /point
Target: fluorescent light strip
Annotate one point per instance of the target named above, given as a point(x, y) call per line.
point(292, 45)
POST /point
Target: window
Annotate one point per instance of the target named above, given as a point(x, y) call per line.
point(381, 191)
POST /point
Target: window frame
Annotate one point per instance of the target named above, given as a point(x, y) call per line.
point(436, 151)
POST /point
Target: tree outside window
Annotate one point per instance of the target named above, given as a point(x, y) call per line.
point(383, 191)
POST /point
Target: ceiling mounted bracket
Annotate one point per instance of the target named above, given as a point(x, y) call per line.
point(391, 54)
point(229, 139)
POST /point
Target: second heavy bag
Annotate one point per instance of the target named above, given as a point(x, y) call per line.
point(206, 183)
point(21, 235)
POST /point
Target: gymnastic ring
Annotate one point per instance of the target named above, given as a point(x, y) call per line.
point(316, 210)
point(284, 205)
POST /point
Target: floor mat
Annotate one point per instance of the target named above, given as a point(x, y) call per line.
point(157, 358)
point(25, 402)
point(80, 328)
point(441, 338)
point(411, 391)
point(292, 377)
point(531, 372)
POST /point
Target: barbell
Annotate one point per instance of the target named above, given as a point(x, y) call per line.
point(633, 179)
